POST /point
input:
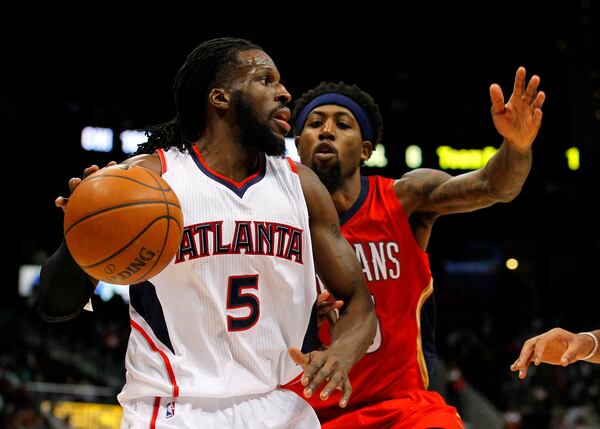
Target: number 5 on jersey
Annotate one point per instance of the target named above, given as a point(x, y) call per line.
point(239, 296)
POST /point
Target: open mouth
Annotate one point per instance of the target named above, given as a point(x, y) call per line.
point(324, 151)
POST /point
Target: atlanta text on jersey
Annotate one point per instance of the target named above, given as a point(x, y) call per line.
point(249, 238)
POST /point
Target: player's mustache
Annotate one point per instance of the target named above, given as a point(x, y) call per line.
point(325, 147)
point(277, 109)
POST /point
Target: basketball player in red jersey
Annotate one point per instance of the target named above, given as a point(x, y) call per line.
point(388, 222)
point(211, 333)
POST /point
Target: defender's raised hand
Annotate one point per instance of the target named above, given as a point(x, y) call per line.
point(519, 120)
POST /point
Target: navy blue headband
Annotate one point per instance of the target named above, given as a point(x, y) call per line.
point(366, 129)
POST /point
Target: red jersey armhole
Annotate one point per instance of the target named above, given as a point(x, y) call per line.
point(292, 164)
point(163, 161)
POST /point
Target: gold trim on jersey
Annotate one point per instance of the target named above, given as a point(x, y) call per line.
point(420, 356)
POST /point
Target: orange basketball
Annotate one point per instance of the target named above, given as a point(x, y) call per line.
point(123, 224)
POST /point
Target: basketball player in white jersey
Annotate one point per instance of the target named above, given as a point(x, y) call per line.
point(211, 333)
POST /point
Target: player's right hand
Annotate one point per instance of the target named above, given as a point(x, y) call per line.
point(75, 181)
point(323, 366)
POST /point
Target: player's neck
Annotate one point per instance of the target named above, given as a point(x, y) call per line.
point(228, 158)
point(347, 194)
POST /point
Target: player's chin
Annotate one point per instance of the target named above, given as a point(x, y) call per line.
point(274, 146)
point(278, 131)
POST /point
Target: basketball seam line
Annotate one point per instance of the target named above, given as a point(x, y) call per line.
point(93, 179)
point(120, 206)
point(168, 224)
point(129, 244)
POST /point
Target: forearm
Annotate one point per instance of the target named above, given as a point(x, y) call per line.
point(507, 170)
point(355, 329)
point(64, 287)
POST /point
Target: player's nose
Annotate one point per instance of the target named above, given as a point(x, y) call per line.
point(282, 95)
point(327, 131)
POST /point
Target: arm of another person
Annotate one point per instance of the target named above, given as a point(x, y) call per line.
point(340, 270)
point(432, 193)
point(64, 287)
point(557, 347)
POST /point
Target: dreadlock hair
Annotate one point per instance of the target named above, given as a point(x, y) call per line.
point(364, 100)
point(210, 64)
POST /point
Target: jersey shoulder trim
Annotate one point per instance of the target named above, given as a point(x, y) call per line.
point(163, 161)
point(292, 164)
point(362, 197)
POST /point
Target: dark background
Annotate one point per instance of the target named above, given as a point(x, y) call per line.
point(428, 67)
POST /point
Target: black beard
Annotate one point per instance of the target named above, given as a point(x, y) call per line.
point(330, 176)
point(256, 136)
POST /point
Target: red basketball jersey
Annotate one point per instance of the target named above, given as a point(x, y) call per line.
point(399, 279)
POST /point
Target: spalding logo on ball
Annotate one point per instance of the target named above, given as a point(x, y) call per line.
point(123, 224)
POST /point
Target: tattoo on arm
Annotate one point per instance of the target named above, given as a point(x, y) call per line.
point(425, 182)
point(417, 187)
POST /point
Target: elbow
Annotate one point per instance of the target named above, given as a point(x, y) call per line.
point(504, 194)
point(42, 311)
point(52, 316)
point(50, 312)
point(55, 303)
point(44, 314)
point(506, 197)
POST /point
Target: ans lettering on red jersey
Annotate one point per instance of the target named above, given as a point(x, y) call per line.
point(375, 259)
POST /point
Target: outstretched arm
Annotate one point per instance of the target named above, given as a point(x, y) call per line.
point(340, 271)
point(557, 347)
point(436, 193)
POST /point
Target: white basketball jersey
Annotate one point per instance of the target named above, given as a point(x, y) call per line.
point(217, 322)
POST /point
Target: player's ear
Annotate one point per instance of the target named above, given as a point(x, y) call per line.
point(367, 150)
point(220, 98)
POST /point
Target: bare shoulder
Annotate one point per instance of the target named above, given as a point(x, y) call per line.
point(149, 161)
point(308, 178)
point(312, 188)
point(318, 201)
